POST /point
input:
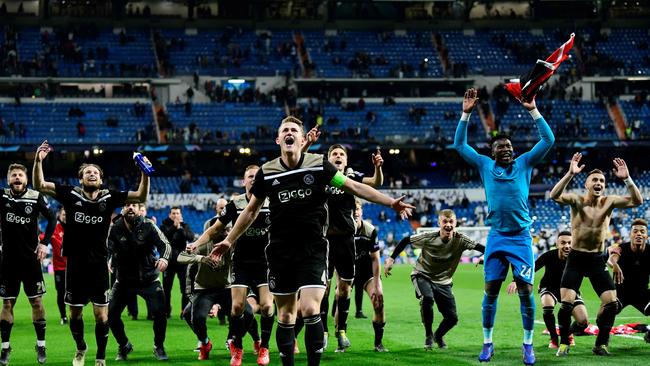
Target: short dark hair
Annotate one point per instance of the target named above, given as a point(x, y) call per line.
point(16, 166)
point(564, 233)
point(595, 171)
point(80, 173)
point(336, 146)
point(499, 136)
point(639, 222)
point(175, 208)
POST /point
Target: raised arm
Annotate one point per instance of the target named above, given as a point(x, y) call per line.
point(557, 193)
point(378, 178)
point(312, 137)
point(635, 198)
point(460, 138)
point(547, 139)
point(38, 180)
point(140, 196)
point(245, 219)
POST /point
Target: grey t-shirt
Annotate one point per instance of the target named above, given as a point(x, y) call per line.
point(439, 260)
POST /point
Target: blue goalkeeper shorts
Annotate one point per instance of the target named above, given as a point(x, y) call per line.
point(509, 249)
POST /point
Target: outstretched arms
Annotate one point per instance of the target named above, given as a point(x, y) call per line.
point(635, 198)
point(378, 178)
point(460, 138)
point(547, 139)
point(557, 193)
point(38, 180)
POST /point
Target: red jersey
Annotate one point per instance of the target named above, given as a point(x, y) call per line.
point(58, 261)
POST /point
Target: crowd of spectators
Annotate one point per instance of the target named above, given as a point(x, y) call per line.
point(77, 47)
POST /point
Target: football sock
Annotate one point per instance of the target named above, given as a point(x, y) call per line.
point(101, 337)
point(564, 321)
point(266, 323)
point(314, 339)
point(285, 339)
point(549, 320)
point(379, 332)
point(605, 321)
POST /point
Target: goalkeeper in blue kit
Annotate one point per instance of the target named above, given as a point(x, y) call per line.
point(509, 243)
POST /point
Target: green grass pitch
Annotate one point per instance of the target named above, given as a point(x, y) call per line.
point(404, 335)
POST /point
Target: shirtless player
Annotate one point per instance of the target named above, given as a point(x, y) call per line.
point(590, 215)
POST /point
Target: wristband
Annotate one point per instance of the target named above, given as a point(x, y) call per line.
point(535, 114)
point(628, 181)
point(465, 116)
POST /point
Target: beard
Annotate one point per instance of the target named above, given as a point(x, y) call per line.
point(17, 188)
point(90, 188)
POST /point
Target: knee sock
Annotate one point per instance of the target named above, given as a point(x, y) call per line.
point(314, 339)
point(549, 320)
point(77, 330)
point(39, 327)
point(266, 325)
point(285, 339)
point(343, 307)
point(358, 298)
point(297, 328)
point(426, 311)
point(101, 337)
point(489, 311)
point(5, 332)
point(252, 327)
point(324, 309)
point(238, 329)
point(527, 307)
point(605, 321)
point(379, 332)
point(564, 321)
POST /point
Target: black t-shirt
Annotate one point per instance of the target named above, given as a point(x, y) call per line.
point(340, 206)
point(297, 198)
point(554, 269)
point(250, 245)
point(20, 223)
point(365, 242)
point(636, 269)
point(87, 222)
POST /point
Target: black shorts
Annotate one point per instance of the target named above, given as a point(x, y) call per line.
point(555, 293)
point(363, 274)
point(28, 273)
point(86, 282)
point(293, 267)
point(441, 294)
point(341, 256)
point(639, 299)
point(592, 265)
point(251, 275)
point(203, 300)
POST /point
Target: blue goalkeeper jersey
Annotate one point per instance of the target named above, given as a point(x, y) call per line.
point(506, 187)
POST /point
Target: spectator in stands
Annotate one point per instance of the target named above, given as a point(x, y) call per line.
point(22, 130)
point(382, 216)
point(186, 182)
point(81, 129)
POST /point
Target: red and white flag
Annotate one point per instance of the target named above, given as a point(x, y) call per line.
point(526, 87)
